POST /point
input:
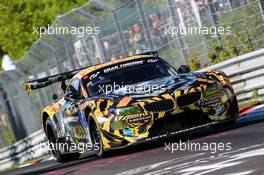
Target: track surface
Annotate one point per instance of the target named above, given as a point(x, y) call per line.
point(246, 156)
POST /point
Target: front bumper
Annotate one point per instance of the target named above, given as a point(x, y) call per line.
point(160, 120)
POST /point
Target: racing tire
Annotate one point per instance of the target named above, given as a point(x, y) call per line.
point(97, 140)
point(234, 109)
point(53, 139)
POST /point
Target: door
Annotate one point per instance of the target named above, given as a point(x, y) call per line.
point(73, 117)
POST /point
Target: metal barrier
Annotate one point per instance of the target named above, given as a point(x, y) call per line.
point(246, 73)
point(26, 149)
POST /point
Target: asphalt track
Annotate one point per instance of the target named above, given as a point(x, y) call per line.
point(246, 154)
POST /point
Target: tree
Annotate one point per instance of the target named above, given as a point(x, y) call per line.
point(247, 27)
point(194, 61)
point(18, 17)
point(1, 58)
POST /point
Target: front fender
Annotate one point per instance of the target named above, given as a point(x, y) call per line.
point(53, 113)
point(219, 76)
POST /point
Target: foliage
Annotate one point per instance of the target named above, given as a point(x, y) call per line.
point(245, 31)
point(18, 17)
point(7, 134)
point(1, 63)
point(254, 101)
point(229, 47)
point(172, 54)
point(194, 61)
point(255, 93)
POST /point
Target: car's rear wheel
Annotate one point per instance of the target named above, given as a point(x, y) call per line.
point(55, 146)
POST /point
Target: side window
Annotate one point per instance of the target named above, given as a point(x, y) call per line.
point(74, 88)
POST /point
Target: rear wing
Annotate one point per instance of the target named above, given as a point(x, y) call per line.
point(47, 81)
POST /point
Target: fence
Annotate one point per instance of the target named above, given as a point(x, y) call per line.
point(31, 147)
point(246, 73)
point(126, 27)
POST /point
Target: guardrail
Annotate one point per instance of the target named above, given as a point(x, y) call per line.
point(246, 73)
point(26, 149)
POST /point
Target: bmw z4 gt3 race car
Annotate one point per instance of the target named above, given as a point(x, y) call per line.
point(125, 101)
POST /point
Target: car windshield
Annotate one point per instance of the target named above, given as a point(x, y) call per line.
point(129, 75)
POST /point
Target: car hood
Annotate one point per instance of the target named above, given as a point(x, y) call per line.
point(156, 86)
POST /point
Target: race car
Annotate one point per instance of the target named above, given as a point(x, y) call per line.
point(129, 100)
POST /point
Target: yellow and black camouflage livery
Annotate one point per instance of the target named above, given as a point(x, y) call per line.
point(188, 100)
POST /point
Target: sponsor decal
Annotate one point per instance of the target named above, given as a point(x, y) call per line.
point(208, 103)
point(127, 132)
point(54, 108)
point(94, 75)
point(139, 119)
point(128, 64)
point(120, 66)
point(218, 110)
point(152, 60)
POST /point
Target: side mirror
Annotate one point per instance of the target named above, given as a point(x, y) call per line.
point(184, 69)
point(63, 86)
point(54, 97)
point(68, 97)
point(72, 96)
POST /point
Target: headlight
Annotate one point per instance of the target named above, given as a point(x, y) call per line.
point(126, 110)
point(212, 88)
point(118, 124)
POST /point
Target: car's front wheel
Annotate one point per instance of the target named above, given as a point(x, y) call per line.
point(233, 110)
point(233, 113)
point(55, 146)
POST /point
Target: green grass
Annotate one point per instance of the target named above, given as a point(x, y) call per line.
point(7, 134)
point(252, 102)
point(256, 100)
